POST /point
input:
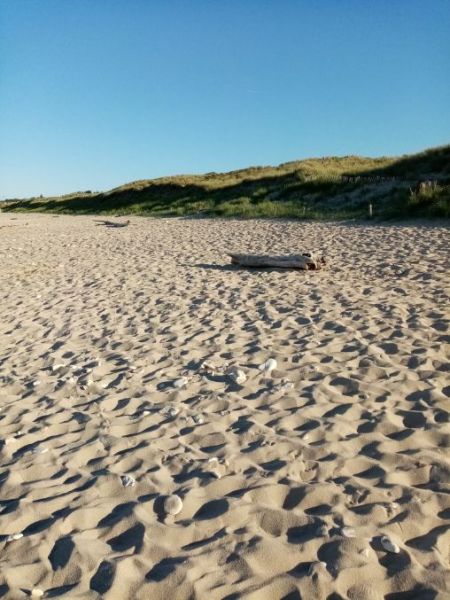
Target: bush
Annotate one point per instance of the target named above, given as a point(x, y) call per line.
point(432, 201)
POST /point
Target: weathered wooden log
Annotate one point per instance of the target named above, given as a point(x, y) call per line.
point(305, 262)
point(113, 223)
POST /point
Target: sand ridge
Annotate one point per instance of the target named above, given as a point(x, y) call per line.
point(290, 480)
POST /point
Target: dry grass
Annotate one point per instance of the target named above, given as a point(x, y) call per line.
point(333, 187)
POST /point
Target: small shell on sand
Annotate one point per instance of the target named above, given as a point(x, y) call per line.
point(198, 419)
point(171, 411)
point(348, 532)
point(173, 504)
point(389, 545)
point(237, 375)
point(128, 481)
point(269, 365)
point(209, 367)
point(180, 382)
point(286, 385)
point(14, 536)
point(37, 593)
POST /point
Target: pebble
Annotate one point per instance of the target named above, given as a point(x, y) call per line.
point(14, 536)
point(269, 365)
point(389, 546)
point(128, 481)
point(180, 382)
point(173, 504)
point(348, 532)
point(37, 593)
point(238, 376)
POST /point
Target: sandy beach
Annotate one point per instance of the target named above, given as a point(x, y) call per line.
point(325, 475)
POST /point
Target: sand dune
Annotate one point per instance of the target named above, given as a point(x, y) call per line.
point(117, 350)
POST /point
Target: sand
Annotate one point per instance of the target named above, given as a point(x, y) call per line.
point(288, 481)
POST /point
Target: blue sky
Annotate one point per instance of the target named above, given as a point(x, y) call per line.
point(95, 93)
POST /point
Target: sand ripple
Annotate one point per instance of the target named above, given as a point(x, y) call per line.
point(117, 347)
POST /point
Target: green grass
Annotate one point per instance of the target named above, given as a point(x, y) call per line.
point(321, 188)
point(434, 201)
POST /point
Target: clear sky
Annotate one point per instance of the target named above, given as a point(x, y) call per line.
point(96, 93)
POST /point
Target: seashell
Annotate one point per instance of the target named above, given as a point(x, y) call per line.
point(14, 536)
point(37, 593)
point(171, 411)
point(198, 419)
point(348, 532)
point(286, 385)
point(389, 546)
point(180, 382)
point(269, 365)
point(173, 504)
point(128, 481)
point(209, 367)
point(237, 375)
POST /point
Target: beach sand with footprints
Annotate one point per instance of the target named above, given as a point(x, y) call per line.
point(151, 449)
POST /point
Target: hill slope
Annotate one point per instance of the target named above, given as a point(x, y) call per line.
point(335, 187)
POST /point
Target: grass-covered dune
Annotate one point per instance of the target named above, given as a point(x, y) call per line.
point(334, 187)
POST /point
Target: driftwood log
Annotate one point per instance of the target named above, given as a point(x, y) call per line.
point(305, 262)
point(113, 223)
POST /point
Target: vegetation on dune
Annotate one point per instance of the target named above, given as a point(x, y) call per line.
point(321, 188)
